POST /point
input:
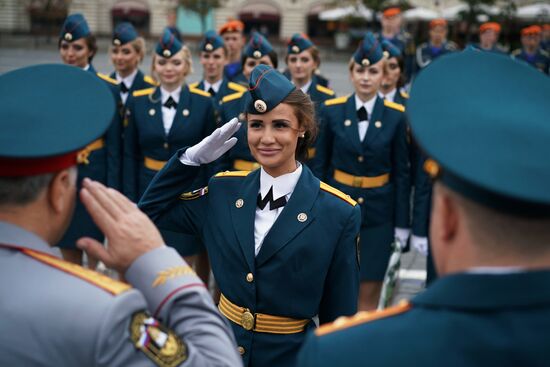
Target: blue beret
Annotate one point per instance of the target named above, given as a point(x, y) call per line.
point(257, 46)
point(298, 43)
point(483, 120)
point(168, 44)
point(124, 33)
point(390, 50)
point(267, 88)
point(369, 51)
point(70, 108)
point(74, 28)
point(211, 41)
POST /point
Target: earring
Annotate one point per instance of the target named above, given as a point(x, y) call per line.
point(303, 135)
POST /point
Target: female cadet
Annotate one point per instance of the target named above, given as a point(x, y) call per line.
point(162, 119)
point(257, 51)
point(101, 159)
point(127, 52)
point(390, 88)
point(282, 244)
point(363, 151)
point(303, 59)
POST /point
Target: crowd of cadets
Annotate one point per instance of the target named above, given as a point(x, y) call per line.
point(363, 147)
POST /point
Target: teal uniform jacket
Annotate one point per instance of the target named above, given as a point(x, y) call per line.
point(141, 81)
point(426, 53)
point(305, 267)
point(102, 163)
point(405, 43)
point(540, 60)
point(226, 88)
point(232, 70)
point(461, 320)
point(383, 151)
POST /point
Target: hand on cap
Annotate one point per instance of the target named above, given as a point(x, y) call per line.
point(129, 231)
point(215, 145)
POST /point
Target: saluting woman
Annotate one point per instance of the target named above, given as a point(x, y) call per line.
point(162, 119)
point(282, 244)
point(363, 151)
point(100, 160)
point(127, 52)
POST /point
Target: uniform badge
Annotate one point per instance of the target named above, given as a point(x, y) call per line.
point(365, 62)
point(257, 54)
point(295, 49)
point(68, 37)
point(260, 106)
point(158, 343)
point(117, 42)
point(166, 53)
point(208, 47)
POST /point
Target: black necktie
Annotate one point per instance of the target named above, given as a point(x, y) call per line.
point(273, 204)
point(362, 114)
point(212, 91)
point(170, 103)
point(123, 88)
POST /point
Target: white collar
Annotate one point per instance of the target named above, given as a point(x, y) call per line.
point(369, 105)
point(389, 96)
point(495, 270)
point(175, 94)
point(86, 68)
point(129, 80)
point(282, 186)
point(305, 87)
point(216, 86)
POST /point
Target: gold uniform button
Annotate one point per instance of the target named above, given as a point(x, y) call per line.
point(347, 123)
point(239, 203)
point(185, 112)
point(249, 277)
point(360, 200)
point(166, 145)
point(241, 350)
point(151, 112)
point(378, 124)
point(360, 158)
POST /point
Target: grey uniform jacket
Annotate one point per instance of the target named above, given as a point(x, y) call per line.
point(58, 314)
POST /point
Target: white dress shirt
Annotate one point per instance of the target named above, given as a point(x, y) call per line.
point(369, 106)
point(390, 96)
point(168, 114)
point(128, 81)
point(282, 186)
point(305, 87)
point(216, 86)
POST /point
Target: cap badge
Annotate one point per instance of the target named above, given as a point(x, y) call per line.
point(208, 47)
point(365, 62)
point(68, 37)
point(117, 42)
point(257, 54)
point(260, 106)
point(295, 49)
point(166, 53)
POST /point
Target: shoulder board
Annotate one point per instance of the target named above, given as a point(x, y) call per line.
point(199, 92)
point(359, 318)
point(99, 280)
point(232, 97)
point(338, 193)
point(237, 87)
point(143, 92)
point(335, 101)
point(195, 194)
point(395, 106)
point(233, 174)
point(324, 90)
point(193, 85)
point(404, 94)
point(107, 78)
point(149, 79)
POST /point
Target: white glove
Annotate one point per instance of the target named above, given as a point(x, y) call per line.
point(420, 244)
point(402, 235)
point(213, 146)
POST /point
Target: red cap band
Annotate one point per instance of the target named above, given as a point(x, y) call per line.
point(17, 167)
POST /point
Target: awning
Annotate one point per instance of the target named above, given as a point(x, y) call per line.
point(538, 11)
point(339, 13)
point(129, 8)
point(452, 12)
point(420, 14)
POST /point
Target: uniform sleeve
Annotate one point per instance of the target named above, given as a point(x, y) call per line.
point(224, 162)
point(309, 353)
point(323, 146)
point(209, 126)
point(130, 154)
point(170, 320)
point(114, 146)
point(342, 282)
point(163, 203)
point(401, 175)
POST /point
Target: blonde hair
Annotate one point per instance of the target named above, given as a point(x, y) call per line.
point(138, 45)
point(186, 57)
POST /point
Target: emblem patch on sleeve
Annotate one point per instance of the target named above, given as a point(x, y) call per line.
point(158, 342)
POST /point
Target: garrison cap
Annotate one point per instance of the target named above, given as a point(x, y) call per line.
point(489, 26)
point(492, 147)
point(233, 25)
point(257, 47)
point(70, 109)
point(124, 33)
point(531, 30)
point(391, 11)
point(390, 50)
point(168, 45)
point(211, 41)
point(74, 28)
point(298, 43)
point(267, 88)
point(369, 51)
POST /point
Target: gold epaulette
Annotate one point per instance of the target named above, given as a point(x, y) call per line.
point(143, 92)
point(99, 280)
point(324, 90)
point(404, 94)
point(338, 193)
point(335, 101)
point(232, 97)
point(199, 92)
point(149, 79)
point(395, 106)
point(362, 317)
point(233, 174)
point(237, 87)
point(107, 78)
point(194, 85)
point(195, 194)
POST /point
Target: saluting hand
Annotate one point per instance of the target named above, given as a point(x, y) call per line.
point(215, 145)
point(129, 231)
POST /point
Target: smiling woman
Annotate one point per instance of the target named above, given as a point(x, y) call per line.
point(281, 243)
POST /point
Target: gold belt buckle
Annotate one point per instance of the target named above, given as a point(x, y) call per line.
point(357, 181)
point(247, 320)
